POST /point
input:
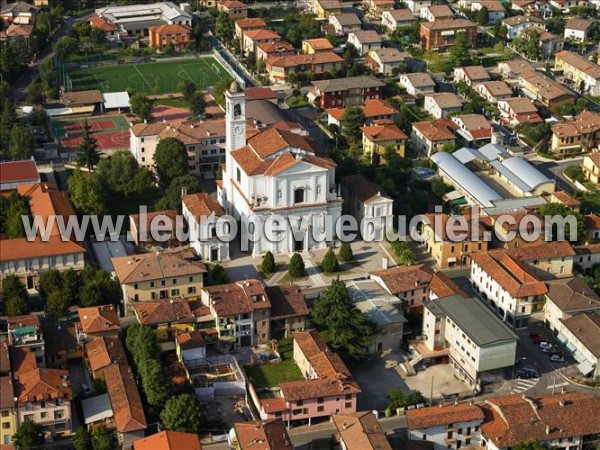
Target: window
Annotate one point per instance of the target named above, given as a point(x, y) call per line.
point(191, 290)
point(348, 396)
point(424, 437)
point(238, 175)
point(174, 292)
point(296, 412)
point(44, 415)
point(60, 414)
point(348, 405)
point(299, 195)
point(152, 284)
point(135, 286)
point(5, 425)
point(320, 408)
point(191, 279)
point(162, 282)
point(320, 400)
point(5, 413)
point(28, 417)
point(300, 402)
point(174, 280)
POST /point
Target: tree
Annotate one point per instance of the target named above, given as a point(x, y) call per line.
point(102, 439)
point(21, 144)
point(352, 120)
point(449, 147)
point(15, 306)
point(330, 263)
point(121, 175)
point(296, 266)
point(16, 208)
point(86, 192)
point(224, 27)
point(170, 161)
point(182, 413)
point(400, 399)
point(57, 304)
point(530, 445)
point(30, 435)
point(35, 94)
point(344, 327)
point(87, 155)
point(483, 16)
point(187, 88)
point(405, 255)
point(14, 296)
point(268, 263)
point(82, 439)
point(197, 104)
point(65, 47)
point(218, 275)
point(71, 283)
point(157, 387)
point(550, 210)
point(460, 50)
point(142, 106)
point(219, 90)
point(49, 282)
point(345, 253)
point(172, 198)
point(575, 173)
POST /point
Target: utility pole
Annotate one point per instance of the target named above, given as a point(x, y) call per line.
point(431, 393)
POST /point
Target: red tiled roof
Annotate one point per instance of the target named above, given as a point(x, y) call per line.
point(422, 419)
point(169, 440)
point(101, 24)
point(383, 133)
point(326, 364)
point(18, 171)
point(102, 352)
point(286, 301)
point(307, 389)
point(99, 319)
point(362, 189)
point(542, 250)
point(124, 398)
point(237, 298)
point(163, 311)
point(270, 435)
point(405, 278)
point(261, 35)
point(43, 384)
point(361, 431)
point(255, 22)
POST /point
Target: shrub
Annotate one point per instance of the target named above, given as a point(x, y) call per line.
point(296, 267)
point(268, 263)
point(330, 263)
point(345, 253)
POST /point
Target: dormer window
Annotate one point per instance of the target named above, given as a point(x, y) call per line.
point(299, 195)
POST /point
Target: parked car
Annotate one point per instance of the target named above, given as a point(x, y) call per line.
point(547, 349)
point(545, 344)
point(557, 358)
point(526, 373)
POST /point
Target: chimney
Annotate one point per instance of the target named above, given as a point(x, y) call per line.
point(183, 191)
point(547, 429)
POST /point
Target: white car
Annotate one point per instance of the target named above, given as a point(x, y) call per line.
point(544, 344)
point(557, 358)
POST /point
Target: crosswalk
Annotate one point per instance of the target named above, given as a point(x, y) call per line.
point(524, 385)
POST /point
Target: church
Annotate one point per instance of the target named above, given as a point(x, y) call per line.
point(276, 172)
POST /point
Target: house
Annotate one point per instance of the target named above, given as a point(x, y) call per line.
point(376, 138)
point(471, 75)
point(96, 321)
point(169, 440)
point(26, 340)
point(443, 104)
point(19, 13)
point(316, 45)
point(519, 110)
point(579, 136)
point(280, 68)
point(409, 283)
point(438, 12)
point(430, 137)
point(514, 68)
point(152, 276)
point(584, 74)
point(495, 9)
point(315, 359)
point(579, 30)
point(13, 30)
point(251, 38)
point(441, 34)
point(448, 252)
point(242, 25)
point(516, 25)
point(61, 345)
point(360, 431)
point(90, 101)
point(460, 422)
point(397, 18)
point(14, 173)
point(592, 223)
point(551, 419)
point(549, 44)
point(167, 317)
point(508, 286)
point(345, 23)
point(555, 258)
point(591, 167)
point(494, 91)
point(137, 19)
point(541, 88)
point(473, 129)
point(385, 60)
point(234, 9)
point(101, 352)
point(565, 199)
point(111, 31)
point(201, 213)
point(375, 112)
point(270, 434)
point(344, 92)
point(144, 228)
point(325, 8)
point(375, 8)
point(369, 204)
point(288, 310)
point(8, 409)
point(417, 83)
point(364, 41)
point(418, 7)
point(581, 334)
point(567, 298)
point(162, 37)
point(587, 256)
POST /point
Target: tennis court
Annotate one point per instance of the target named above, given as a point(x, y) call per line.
point(110, 132)
point(149, 78)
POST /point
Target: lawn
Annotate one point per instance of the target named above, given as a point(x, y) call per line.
point(149, 78)
point(270, 375)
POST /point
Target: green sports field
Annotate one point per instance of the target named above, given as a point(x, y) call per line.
point(149, 78)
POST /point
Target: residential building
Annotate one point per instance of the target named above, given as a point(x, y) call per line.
point(364, 41)
point(397, 18)
point(495, 9)
point(234, 9)
point(144, 227)
point(473, 129)
point(15, 173)
point(385, 60)
point(505, 226)
point(13, 31)
point(369, 204)
point(201, 213)
point(8, 410)
point(137, 19)
point(111, 31)
point(513, 68)
point(519, 110)
point(430, 137)
point(418, 7)
point(274, 50)
point(153, 276)
point(471, 75)
point(316, 45)
point(25, 333)
point(446, 425)
point(494, 91)
point(169, 440)
point(345, 23)
point(243, 25)
point(409, 283)
point(591, 167)
point(177, 37)
point(375, 8)
point(344, 92)
point(516, 25)
point(101, 352)
point(438, 12)
point(541, 88)
point(592, 223)
point(477, 340)
point(448, 252)
point(555, 420)
point(579, 30)
point(443, 104)
point(584, 74)
point(97, 321)
point(579, 136)
point(19, 13)
point(555, 258)
point(288, 310)
point(581, 337)
point(190, 346)
point(441, 34)
point(549, 44)
point(261, 177)
point(587, 256)
point(376, 138)
point(324, 8)
point(269, 434)
point(566, 298)
point(167, 317)
point(315, 360)
point(418, 83)
point(251, 39)
point(508, 286)
point(565, 199)
point(280, 68)
point(360, 431)
point(375, 112)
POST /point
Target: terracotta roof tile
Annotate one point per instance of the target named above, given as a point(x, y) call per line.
point(99, 319)
point(23, 360)
point(124, 398)
point(261, 35)
point(191, 340)
point(379, 133)
point(442, 286)
point(327, 365)
point(405, 278)
point(102, 24)
point(18, 171)
point(362, 189)
point(103, 351)
point(308, 389)
point(287, 301)
point(448, 24)
point(43, 384)
point(7, 393)
point(421, 419)
point(586, 328)
point(270, 435)
point(237, 298)
point(542, 250)
point(436, 130)
point(201, 205)
point(163, 311)
point(255, 22)
point(319, 44)
point(361, 431)
point(169, 440)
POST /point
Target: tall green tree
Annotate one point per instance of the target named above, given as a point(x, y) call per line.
point(87, 154)
point(14, 296)
point(82, 440)
point(142, 106)
point(296, 266)
point(187, 88)
point(16, 208)
point(330, 263)
point(102, 439)
point(57, 304)
point(49, 282)
point(224, 27)
point(197, 104)
point(460, 50)
point(170, 161)
point(483, 16)
point(558, 209)
point(182, 413)
point(268, 263)
point(530, 445)
point(21, 144)
point(352, 120)
point(172, 198)
point(344, 327)
point(345, 253)
point(30, 435)
point(87, 193)
point(217, 275)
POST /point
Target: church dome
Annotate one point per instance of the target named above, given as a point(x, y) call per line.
point(235, 87)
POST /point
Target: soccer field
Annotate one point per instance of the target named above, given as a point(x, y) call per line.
point(149, 78)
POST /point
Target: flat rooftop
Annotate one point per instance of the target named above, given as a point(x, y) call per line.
point(381, 307)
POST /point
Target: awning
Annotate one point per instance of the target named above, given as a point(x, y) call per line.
point(561, 338)
point(579, 357)
point(585, 367)
point(571, 347)
point(452, 259)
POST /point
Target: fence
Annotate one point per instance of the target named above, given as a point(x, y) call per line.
point(222, 55)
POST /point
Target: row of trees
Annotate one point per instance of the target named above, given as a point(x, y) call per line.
point(12, 208)
point(16, 140)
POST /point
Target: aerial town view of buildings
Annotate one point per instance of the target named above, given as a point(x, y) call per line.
point(300, 224)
